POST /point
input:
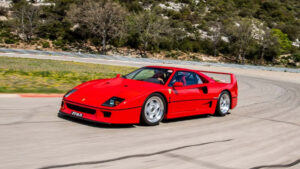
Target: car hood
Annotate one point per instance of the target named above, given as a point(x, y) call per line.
point(96, 92)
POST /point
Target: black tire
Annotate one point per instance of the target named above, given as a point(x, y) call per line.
point(144, 119)
point(219, 111)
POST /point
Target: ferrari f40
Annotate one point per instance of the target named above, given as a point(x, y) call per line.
point(151, 94)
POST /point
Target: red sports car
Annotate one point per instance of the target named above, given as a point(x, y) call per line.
point(150, 94)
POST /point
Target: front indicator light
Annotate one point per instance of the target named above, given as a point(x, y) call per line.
point(112, 102)
point(62, 106)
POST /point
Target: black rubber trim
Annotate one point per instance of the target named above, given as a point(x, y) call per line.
point(191, 100)
point(80, 108)
point(102, 107)
point(69, 115)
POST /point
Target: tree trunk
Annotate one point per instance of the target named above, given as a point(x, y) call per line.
point(262, 59)
point(215, 51)
point(145, 48)
point(104, 44)
point(240, 57)
point(23, 25)
point(146, 45)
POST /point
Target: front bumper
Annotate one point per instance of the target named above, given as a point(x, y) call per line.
point(102, 115)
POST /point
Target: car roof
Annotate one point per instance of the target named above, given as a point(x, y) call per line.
point(182, 69)
point(173, 68)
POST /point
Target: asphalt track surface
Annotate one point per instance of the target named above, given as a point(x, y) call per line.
point(263, 132)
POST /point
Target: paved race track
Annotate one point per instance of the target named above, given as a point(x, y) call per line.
point(262, 132)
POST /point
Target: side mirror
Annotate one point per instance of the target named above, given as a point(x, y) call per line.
point(118, 75)
point(178, 84)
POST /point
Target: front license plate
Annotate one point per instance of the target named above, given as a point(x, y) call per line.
point(76, 114)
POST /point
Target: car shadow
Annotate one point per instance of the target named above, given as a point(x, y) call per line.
point(202, 116)
point(186, 118)
point(95, 124)
point(119, 126)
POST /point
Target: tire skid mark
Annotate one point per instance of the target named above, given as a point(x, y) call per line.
point(195, 161)
point(31, 122)
point(294, 103)
point(133, 156)
point(272, 100)
point(27, 117)
point(278, 165)
point(272, 120)
point(289, 95)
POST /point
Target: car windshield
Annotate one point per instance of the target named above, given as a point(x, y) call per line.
point(149, 74)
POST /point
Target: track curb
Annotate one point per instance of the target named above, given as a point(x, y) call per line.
point(31, 95)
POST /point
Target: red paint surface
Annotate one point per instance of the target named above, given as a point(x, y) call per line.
point(182, 101)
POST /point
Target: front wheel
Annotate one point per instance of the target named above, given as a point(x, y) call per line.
point(224, 103)
point(153, 110)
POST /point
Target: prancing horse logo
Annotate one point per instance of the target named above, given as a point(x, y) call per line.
point(83, 99)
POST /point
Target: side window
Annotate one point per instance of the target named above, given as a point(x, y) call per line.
point(186, 78)
point(199, 80)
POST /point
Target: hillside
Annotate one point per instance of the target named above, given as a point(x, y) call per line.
point(257, 31)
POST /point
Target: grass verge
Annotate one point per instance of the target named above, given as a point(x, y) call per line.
point(23, 75)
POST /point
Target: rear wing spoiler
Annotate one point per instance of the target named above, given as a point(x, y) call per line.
point(232, 76)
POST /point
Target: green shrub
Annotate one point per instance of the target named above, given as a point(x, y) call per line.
point(191, 46)
point(173, 55)
point(45, 44)
point(59, 43)
point(284, 42)
point(296, 56)
point(10, 41)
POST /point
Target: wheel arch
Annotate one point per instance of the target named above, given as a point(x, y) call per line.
point(165, 98)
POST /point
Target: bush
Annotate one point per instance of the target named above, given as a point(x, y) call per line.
point(10, 41)
point(296, 56)
point(191, 46)
point(59, 43)
point(173, 55)
point(284, 42)
point(3, 11)
point(166, 44)
point(45, 44)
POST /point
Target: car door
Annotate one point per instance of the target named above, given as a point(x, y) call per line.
point(191, 98)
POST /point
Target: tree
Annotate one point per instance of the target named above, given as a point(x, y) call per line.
point(216, 32)
point(103, 19)
point(26, 19)
point(266, 41)
point(241, 36)
point(148, 28)
point(285, 43)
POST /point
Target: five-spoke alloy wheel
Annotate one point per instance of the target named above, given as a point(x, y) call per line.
point(224, 103)
point(153, 109)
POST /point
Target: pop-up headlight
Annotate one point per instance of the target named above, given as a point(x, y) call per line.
point(112, 102)
point(70, 92)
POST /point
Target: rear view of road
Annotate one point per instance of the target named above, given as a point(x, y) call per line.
point(262, 132)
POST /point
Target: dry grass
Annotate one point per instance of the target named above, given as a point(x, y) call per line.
point(22, 75)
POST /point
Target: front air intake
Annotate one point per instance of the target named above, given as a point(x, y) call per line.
point(81, 109)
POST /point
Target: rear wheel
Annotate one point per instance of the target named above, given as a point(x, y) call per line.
point(153, 110)
point(223, 105)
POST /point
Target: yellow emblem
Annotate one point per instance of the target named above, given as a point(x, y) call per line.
point(170, 91)
point(83, 99)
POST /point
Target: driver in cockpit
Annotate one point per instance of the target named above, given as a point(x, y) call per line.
point(159, 76)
